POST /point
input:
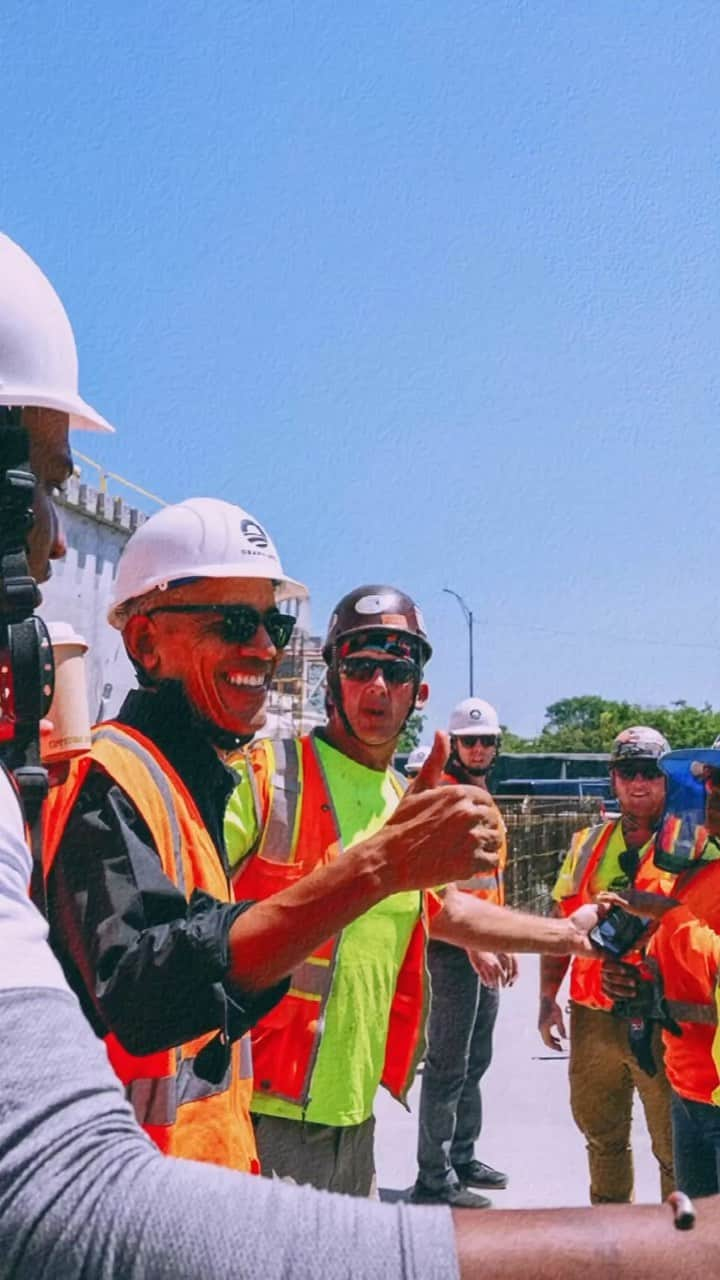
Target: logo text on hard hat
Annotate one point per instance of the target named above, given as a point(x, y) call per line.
point(254, 532)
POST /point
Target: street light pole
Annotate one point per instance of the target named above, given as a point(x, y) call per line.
point(467, 611)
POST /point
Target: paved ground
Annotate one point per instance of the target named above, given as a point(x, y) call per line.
point(528, 1130)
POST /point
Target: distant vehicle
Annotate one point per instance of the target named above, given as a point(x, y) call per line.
point(552, 787)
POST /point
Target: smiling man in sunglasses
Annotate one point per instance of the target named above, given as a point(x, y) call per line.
point(354, 1016)
point(604, 1071)
point(169, 970)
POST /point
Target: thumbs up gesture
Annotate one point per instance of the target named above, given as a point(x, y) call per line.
point(439, 833)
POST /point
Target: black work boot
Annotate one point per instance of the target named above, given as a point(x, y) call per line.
point(452, 1194)
point(477, 1174)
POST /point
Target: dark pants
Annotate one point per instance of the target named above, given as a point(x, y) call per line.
point(460, 1028)
point(696, 1146)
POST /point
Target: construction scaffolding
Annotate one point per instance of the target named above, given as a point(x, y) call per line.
point(296, 702)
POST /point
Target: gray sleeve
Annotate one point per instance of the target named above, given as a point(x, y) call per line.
point(84, 1193)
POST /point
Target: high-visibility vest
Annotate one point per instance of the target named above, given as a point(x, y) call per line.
point(692, 1060)
point(489, 885)
point(300, 831)
point(591, 844)
point(185, 1114)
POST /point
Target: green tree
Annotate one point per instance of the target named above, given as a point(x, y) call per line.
point(589, 723)
point(411, 735)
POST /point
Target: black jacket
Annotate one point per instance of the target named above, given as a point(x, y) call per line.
point(145, 963)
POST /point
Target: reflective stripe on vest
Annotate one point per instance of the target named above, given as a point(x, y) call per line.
point(279, 838)
point(107, 733)
point(684, 1011)
point(492, 882)
point(155, 1099)
point(287, 1042)
point(591, 851)
point(185, 1114)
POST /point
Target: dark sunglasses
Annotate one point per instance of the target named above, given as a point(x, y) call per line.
point(393, 670)
point(636, 769)
point(240, 621)
point(483, 739)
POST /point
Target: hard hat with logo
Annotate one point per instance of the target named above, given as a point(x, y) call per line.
point(38, 357)
point(639, 742)
point(199, 538)
point(474, 716)
point(416, 760)
point(379, 611)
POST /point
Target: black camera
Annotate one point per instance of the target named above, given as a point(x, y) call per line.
point(26, 659)
point(618, 932)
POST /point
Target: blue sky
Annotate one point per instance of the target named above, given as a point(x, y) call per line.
point(431, 288)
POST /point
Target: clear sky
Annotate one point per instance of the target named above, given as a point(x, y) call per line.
point(431, 288)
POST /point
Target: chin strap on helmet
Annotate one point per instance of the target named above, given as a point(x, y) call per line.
point(336, 699)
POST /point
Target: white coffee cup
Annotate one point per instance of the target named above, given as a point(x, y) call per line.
point(69, 712)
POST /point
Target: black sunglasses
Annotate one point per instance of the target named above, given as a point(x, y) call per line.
point(472, 739)
point(240, 621)
point(627, 770)
point(393, 670)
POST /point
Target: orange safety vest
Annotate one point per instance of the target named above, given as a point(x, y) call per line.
point(300, 831)
point(183, 1113)
point(491, 884)
point(585, 972)
point(692, 1060)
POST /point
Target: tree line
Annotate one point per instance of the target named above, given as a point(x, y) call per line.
point(589, 723)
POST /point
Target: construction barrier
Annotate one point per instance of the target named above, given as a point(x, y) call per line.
point(539, 832)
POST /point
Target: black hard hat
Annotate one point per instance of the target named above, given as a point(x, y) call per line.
point(376, 609)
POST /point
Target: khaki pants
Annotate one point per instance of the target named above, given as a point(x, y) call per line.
point(319, 1155)
point(603, 1078)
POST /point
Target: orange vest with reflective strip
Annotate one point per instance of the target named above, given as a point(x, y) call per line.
point(491, 884)
point(692, 1060)
point(183, 1113)
point(299, 831)
point(586, 973)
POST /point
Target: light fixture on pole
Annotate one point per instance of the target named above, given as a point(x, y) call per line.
point(467, 611)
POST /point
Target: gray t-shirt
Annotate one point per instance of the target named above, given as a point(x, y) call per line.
point(83, 1192)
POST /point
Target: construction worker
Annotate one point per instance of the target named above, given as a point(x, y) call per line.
point(354, 1015)
point(416, 760)
point(464, 1006)
point(82, 1191)
point(168, 969)
point(604, 1069)
point(685, 949)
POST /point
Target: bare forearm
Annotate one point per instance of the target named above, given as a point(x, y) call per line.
point(553, 969)
point(275, 935)
point(466, 921)
point(562, 1244)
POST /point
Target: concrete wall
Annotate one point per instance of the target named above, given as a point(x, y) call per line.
point(97, 528)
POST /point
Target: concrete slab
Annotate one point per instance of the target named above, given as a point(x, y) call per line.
point(528, 1130)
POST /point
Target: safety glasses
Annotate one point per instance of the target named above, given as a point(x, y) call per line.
point(240, 621)
point(630, 769)
point(393, 670)
point(478, 739)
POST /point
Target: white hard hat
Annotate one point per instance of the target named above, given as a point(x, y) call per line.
point(38, 357)
point(416, 759)
point(474, 716)
point(200, 538)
